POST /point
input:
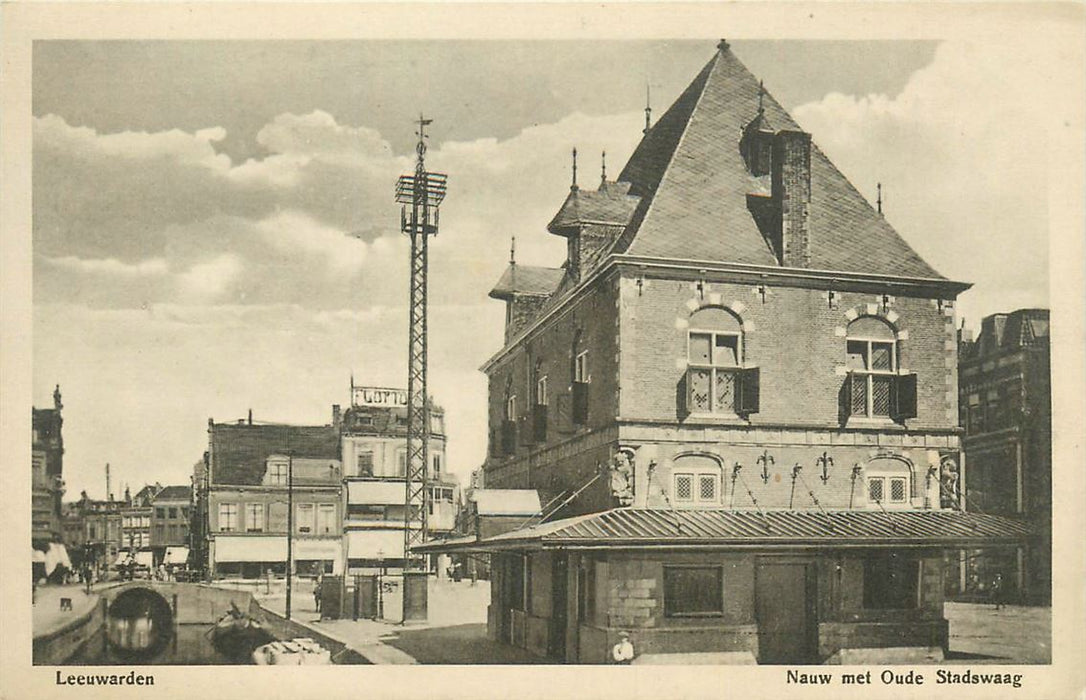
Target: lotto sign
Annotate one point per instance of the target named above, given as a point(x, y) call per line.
point(378, 396)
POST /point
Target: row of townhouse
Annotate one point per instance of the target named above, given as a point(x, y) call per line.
point(338, 491)
point(151, 525)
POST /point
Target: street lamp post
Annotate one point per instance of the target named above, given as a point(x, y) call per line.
point(290, 525)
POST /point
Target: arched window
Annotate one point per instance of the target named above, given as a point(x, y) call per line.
point(696, 481)
point(888, 483)
point(715, 355)
point(871, 358)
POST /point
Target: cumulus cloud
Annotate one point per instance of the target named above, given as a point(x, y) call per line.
point(108, 266)
point(962, 153)
point(312, 223)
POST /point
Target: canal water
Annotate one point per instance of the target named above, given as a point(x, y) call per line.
point(139, 630)
point(191, 646)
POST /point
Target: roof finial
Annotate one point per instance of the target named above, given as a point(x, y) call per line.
point(761, 94)
point(648, 107)
point(723, 45)
point(603, 167)
point(574, 185)
point(878, 202)
point(513, 251)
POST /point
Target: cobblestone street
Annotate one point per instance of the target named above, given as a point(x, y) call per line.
point(1014, 635)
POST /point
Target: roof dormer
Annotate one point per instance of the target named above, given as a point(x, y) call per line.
point(756, 144)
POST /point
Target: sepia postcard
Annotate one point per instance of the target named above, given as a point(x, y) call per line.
point(533, 350)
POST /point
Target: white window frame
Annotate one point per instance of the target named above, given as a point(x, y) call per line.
point(581, 374)
point(228, 513)
point(886, 481)
point(358, 461)
point(305, 525)
point(714, 367)
point(511, 408)
point(278, 471)
point(254, 517)
point(436, 463)
point(541, 391)
point(869, 373)
point(675, 484)
point(695, 476)
point(326, 519)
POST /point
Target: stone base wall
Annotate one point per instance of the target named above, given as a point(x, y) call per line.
point(834, 636)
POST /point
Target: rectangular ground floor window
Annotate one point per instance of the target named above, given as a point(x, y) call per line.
point(693, 591)
point(890, 582)
point(249, 569)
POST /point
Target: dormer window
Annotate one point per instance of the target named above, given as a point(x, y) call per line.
point(275, 473)
point(756, 145)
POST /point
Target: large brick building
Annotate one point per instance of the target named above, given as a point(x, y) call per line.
point(739, 393)
point(1006, 409)
point(47, 473)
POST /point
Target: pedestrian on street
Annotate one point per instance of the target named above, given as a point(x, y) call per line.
point(996, 591)
point(623, 652)
point(317, 591)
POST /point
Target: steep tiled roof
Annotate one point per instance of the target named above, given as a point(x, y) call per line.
point(610, 204)
point(174, 493)
point(524, 279)
point(239, 452)
point(693, 182)
point(632, 527)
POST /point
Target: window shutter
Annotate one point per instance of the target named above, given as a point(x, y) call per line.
point(580, 402)
point(749, 397)
point(844, 399)
point(682, 395)
point(564, 418)
point(903, 396)
point(539, 423)
point(509, 437)
point(524, 428)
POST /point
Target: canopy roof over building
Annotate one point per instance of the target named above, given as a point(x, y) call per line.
point(641, 528)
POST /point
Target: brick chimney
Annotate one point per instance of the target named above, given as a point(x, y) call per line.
point(791, 195)
point(337, 416)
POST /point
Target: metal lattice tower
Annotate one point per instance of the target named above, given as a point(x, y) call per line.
point(420, 195)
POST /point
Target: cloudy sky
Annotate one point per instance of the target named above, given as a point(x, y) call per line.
point(214, 227)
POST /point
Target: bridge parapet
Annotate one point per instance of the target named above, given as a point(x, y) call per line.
point(192, 603)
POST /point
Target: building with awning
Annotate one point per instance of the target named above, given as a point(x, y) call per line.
point(737, 402)
point(262, 481)
point(374, 441)
point(177, 555)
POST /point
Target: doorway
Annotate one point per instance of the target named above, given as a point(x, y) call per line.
point(556, 647)
point(785, 597)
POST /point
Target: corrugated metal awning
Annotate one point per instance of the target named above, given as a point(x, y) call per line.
point(652, 528)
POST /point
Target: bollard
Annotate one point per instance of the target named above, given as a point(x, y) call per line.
point(104, 605)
